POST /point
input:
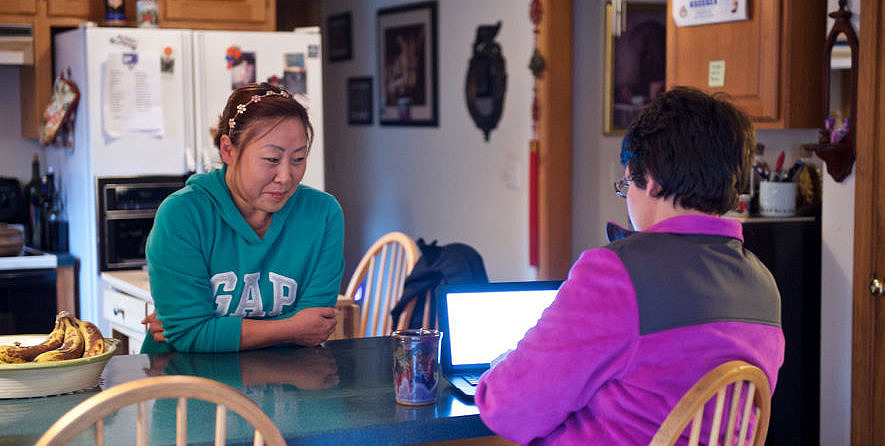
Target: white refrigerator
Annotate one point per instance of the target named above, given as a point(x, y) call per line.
point(149, 100)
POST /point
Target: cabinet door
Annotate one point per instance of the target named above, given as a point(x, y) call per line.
point(750, 50)
point(73, 8)
point(18, 6)
point(253, 11)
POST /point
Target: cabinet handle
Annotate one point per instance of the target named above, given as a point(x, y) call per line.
point(876, 287)
point(119, 311)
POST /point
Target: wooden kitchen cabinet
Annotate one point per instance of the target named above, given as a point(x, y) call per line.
point(84, 9)
point(218, 14)
point(18, 6)
point(773, 61)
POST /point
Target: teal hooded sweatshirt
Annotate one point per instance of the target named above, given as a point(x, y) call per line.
point(209, 269)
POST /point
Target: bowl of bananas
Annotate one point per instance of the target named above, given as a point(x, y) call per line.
point(68, 359)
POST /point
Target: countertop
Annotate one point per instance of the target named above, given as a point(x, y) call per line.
point(134, 282)
point(340, 393)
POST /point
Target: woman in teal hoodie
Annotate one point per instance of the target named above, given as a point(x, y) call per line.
point(244, 256)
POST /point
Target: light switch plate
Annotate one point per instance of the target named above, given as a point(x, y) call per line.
point(716, 74)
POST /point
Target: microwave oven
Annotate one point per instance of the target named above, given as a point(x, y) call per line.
point(126, 210)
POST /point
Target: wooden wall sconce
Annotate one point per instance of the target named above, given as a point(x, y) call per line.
point(838, 154)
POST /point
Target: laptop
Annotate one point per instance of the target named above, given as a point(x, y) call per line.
point(482, 321)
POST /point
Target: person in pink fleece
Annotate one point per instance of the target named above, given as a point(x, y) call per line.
point(640, 320)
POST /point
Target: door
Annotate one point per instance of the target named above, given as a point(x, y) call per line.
point(165, 147)
point(18, 7)
point(293, 58)
point(215, 10)
point(868, 362)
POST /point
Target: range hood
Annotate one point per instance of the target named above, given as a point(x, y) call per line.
point(16, 44)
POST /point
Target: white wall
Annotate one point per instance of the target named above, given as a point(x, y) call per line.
point(595, 157)
point(445, 182)
point(837, 262)
point(16, 153)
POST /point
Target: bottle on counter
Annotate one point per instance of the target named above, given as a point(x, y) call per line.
point(33, 200)
point(55, 234)
point(115, 13)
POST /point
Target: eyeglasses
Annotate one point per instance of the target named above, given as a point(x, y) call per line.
point(622, 185)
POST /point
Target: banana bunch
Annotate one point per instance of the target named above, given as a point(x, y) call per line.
point(70, 339)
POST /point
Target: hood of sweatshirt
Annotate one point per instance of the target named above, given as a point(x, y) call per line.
point(212, 184)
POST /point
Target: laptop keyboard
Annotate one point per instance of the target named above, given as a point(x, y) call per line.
point(473, 380)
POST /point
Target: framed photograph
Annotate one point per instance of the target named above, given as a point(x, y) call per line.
point(339, 39)
point(407, 65)
point(635, 62)
point(359, 100)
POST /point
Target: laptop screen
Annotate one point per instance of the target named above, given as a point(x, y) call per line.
point(484, 323)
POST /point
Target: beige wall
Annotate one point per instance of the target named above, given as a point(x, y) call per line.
point(16, 152)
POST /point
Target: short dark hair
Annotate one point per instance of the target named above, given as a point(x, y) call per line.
point(270, 107)
point(697, 147)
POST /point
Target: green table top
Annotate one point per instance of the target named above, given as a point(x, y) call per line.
point(341, 393)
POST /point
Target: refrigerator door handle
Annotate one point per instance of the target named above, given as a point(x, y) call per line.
point(189, 112)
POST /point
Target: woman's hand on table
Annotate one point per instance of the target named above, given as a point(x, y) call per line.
point(312, 326)
point(154, 326)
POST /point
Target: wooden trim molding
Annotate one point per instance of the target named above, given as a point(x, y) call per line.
point(870, 142)
point(555, 141)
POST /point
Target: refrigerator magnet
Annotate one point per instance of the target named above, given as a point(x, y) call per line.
point(167, 61)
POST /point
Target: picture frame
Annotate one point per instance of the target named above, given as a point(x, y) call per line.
point(359, 100)
point(408, 92)
point(339, 37)
point(635, 62)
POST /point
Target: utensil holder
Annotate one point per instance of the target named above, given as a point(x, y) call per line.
point(777, 199)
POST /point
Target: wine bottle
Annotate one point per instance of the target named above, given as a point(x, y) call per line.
point(33, 198)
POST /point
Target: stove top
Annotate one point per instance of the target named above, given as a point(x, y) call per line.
point(29, 258)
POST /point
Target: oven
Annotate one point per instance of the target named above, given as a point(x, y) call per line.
point(27, 292)
point(126, 210)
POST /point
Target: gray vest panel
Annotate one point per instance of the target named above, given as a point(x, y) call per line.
point(690, 279)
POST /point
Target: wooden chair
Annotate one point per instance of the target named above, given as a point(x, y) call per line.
point(690, 408)
point(93, 411)
point(428, 318)
point(377, 282)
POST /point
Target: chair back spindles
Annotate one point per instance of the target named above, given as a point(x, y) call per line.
point(94, 409)
point(141, 424)
point(690, 409)
point(377, 282)
point(220, 425)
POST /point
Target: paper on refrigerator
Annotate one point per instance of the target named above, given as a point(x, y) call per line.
point(132, 101)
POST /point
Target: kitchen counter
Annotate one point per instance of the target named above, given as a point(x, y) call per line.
point(134, 282)
point(341, 393)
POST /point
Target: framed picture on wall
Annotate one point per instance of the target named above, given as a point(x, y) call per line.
point(407, 65)
point(635, 61)
point(359, 100)
point(339, 39)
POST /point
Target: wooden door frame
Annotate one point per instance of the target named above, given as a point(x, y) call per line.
point(555, 140)
point(870, 144)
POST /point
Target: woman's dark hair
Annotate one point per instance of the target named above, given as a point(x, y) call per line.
point(270, 106)
point(697, 147)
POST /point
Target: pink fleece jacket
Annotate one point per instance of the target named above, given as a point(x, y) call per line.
point(585, 375)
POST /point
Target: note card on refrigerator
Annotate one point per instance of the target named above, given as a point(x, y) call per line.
point(132, 102)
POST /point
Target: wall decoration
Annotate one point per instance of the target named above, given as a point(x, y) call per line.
point(339, 40)
point(407, 65)
point(359, 100)
point(635, 61)
point(486, 80)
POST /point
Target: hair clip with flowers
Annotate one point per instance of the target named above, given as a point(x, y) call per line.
point(241, 108)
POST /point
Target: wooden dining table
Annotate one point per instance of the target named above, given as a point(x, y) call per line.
point(336, 394)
